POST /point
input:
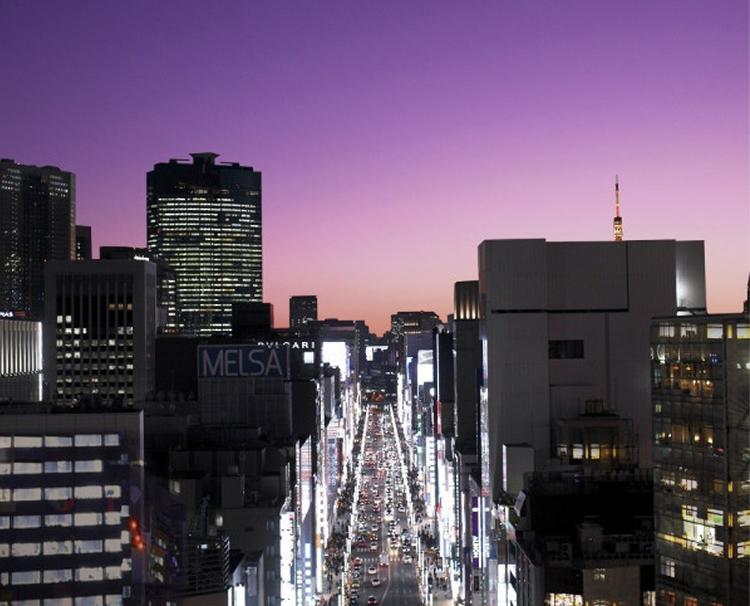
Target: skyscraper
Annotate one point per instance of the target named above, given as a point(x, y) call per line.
point(37, 224)
point(204, 219)
point(701, 389)
point(302, 310)
point(99, 330)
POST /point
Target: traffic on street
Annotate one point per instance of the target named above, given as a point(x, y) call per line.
point(382, 568)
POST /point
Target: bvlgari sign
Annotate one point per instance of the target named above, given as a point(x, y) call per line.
point(242, 361)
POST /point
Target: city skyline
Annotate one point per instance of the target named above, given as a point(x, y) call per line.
point(492, 123)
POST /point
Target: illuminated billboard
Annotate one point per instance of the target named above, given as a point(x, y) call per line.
point(336, 354)
point(242, 361)
point(424, 367)
point(371, 349)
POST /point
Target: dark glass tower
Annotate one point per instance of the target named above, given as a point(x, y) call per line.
point(37, 224)
point(204, 219)
point(302, 310)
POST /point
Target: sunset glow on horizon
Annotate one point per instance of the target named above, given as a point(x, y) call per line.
point(394, 138)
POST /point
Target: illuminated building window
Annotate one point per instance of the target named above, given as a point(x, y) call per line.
point(27, 468)
point(112, 518)
point(27, 522)
point(57, 547)
point(58, 576)
point(666, 330)
point(58, 466)
point(577, 451)
point(668, 567)
point(594, 452)
point(24, 550)
point(743, 331)
point(27, 494)
point(600, 575)
point(88, 519)
point(88, 546)
point(89, 573)
point(743, 549)
point(88, 439)
point(715, 331)
point(61, 493)
point(55, 520)
point(5, 469)
point(28, 577)
point(92, 466)
point(112, 545)
point(28, 442)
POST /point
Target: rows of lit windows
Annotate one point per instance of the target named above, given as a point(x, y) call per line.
point(65, 547)
point(59, 493)
point(81, 439)
point(81, 574)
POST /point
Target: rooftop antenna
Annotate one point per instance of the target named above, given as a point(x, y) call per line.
point(617, 221)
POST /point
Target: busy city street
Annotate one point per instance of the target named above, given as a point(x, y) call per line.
point(383, 558)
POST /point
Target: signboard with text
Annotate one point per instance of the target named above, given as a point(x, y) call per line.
point(242, 361)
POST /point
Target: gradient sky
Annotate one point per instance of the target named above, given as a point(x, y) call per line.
point(394, 136)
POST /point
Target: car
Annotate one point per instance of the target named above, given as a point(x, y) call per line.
point(373, 546)
point(355, 584)
point(353, 601)
point(374, 528)
point(375, 582)
point(406, 559)
point(372, 601)
point(372, 570)
point(358, 561)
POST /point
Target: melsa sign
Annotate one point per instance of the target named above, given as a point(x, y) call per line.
point(241, 361)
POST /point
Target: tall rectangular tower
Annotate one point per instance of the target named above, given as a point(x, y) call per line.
point(701, 402)
point(37, 224)
point(563, 323)
point(99, 330)
point(205, 220)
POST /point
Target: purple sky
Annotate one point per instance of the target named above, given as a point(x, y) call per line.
point(395, 136)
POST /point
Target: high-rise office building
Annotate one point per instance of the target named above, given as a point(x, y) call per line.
point(37, 224)
point(565, 341)
point(701, 403)
point(204, 219)
point(302, 310)
point(71, 505)
point(83, 242)
point(166, 283)
point(99, 330)
point(413, 322)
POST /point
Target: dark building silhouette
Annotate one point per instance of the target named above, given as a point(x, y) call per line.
point(204, 219)
point(303, 309)
point(83, 242)
point(37, 224)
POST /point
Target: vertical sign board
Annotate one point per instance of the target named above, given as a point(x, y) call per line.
point(242, 361)
point(475, 546)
